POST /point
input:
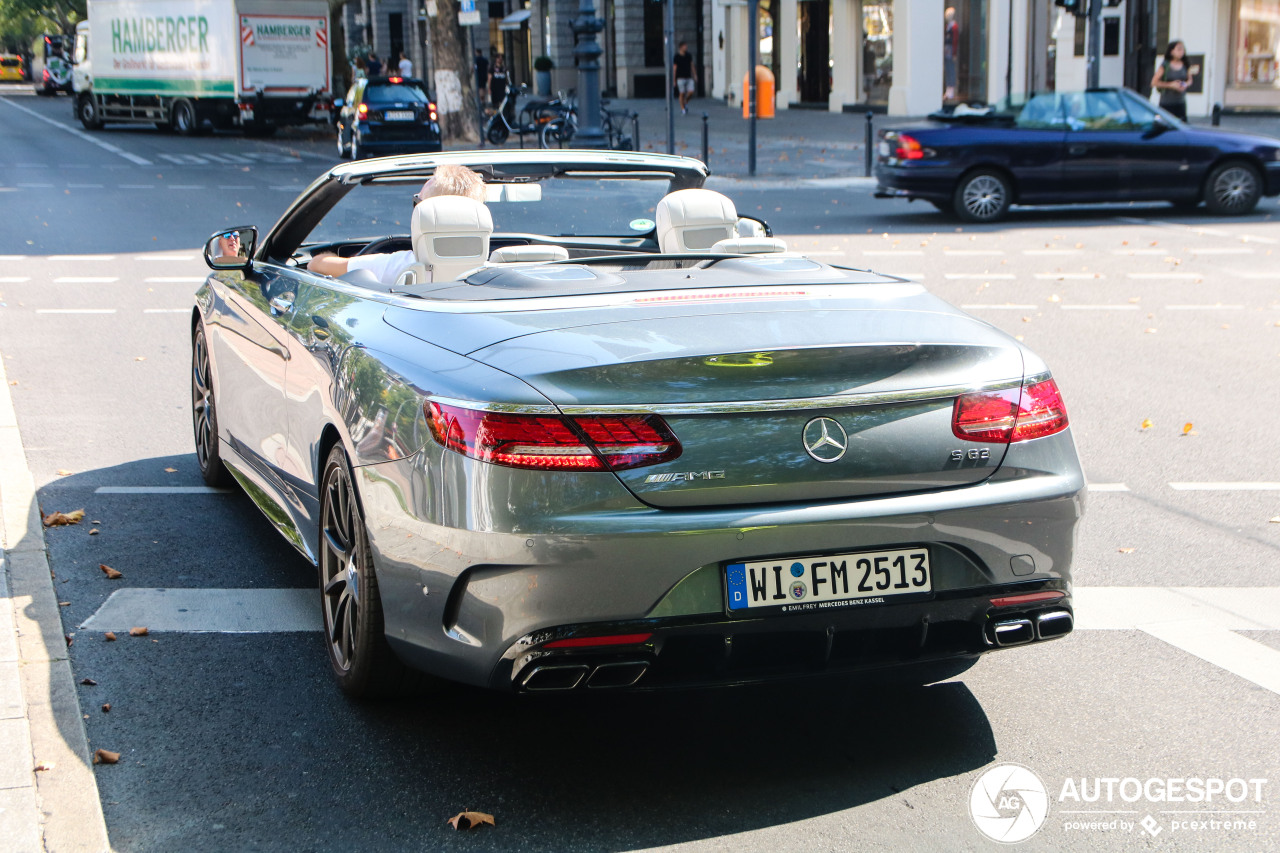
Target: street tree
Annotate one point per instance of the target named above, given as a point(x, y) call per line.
point(455, 91)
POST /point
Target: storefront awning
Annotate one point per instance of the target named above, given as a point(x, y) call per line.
point(515, 20)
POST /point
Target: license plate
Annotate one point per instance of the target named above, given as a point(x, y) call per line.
point(399, 115)
point(798, 584)
point(884, 149)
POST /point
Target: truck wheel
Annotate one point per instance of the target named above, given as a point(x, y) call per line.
point(87, 109)
point(183, 118)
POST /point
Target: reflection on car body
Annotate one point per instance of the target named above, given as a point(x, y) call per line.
point(608, 470)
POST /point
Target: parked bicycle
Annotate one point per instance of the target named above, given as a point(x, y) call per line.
point(560, 131)
point(533, 116)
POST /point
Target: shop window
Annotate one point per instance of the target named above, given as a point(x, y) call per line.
point(877, 52)
point(1257, 42)
point(964, 52)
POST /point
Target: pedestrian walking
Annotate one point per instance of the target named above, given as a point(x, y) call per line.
point(499, 83)
point(406, 65)
point(482, 74)
point(373, 65)
point(1173, 78)
point(686, 76)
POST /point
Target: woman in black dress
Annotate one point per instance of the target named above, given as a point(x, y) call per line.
point(498, 80)
point(1173, 78)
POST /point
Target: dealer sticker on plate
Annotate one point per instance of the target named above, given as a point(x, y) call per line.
point(831, 580)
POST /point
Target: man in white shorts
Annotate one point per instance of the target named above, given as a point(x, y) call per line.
point(448, 179)
point(686, 76)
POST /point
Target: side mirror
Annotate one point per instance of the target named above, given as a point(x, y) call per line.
point(1160, 124)
point(231, 248)
point(751, 226)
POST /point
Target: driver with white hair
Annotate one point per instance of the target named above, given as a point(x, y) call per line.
point(448, 179)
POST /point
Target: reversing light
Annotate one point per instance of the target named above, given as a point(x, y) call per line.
point(1027, 598)
point(909, 148)
point(590, 642)
point(551, 442)
point(1014, 414)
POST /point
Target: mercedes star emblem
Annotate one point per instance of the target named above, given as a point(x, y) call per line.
point(824, 439)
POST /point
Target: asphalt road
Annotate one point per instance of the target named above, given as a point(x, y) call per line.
point(240, 741)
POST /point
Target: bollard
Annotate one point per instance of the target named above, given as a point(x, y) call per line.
point(706, 150)
point(1217, 114)
point(868, 143)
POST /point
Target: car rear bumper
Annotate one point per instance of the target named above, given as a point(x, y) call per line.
point(914, 182)
point(471, 564)
point(1272, 179)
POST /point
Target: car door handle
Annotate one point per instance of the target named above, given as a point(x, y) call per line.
point(281, 305)
point(1077, 150)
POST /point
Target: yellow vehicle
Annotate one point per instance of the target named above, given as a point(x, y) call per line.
point(11, 68)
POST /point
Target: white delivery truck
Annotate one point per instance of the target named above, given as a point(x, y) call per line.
point(255, 64)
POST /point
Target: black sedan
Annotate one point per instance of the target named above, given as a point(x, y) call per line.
point(1101, 145)
point(387, 115)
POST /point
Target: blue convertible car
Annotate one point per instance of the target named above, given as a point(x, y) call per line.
point(1073, 147)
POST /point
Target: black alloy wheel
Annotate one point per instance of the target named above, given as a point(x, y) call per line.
point(204, 416)
point(363, 664)
point(1233, 189)
point(983, 196)
point(88, 111)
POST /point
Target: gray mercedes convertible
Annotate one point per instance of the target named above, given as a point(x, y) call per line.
point(602, 432)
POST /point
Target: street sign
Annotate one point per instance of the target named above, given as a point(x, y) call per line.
point(467, 14)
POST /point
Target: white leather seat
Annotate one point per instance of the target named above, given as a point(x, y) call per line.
point(750, 246)
point(694, 221)
point(528, 254)
point(450, 237)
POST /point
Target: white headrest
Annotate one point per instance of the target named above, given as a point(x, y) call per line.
point(750, 246)
point(694, 220)
point(528, 254)
point(451, 235)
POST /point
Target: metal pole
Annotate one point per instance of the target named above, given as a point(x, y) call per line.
point(706, 152)
point(588, 50)
point(868, 142)
point(1095, 44)
point(753, 46)
point(635, 131)
point(1217, 114)
point(668, 51)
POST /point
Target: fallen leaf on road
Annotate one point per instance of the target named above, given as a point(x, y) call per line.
point(70, 639)
point(1147, 423)
point(470, 820)
point(137, 632)
point(111, 573)
point(1055, 298)
point(1188, 429)
point(64, 603)
point(1151, 331)
point(13, 382)
point(106, 707)
point(171, 470)
point(89, 681)
point(93, 531)
point(1276, 520)
point(105, 756)
point(63, 472)
point(44, 766)
point(57, 519)
point(1126, 550)
point(139, 358)
point(109, 636)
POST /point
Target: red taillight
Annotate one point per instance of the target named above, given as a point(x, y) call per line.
point(909, 148)
point(587, 642)
point(1027, 598)
point(431, 108)
point(551, 442)
point(1016, 414)
point(363, 110)
point(395, 79)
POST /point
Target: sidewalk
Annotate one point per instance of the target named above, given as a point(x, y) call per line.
point(56, 807)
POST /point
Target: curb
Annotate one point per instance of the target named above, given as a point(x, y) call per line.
point(58, 809)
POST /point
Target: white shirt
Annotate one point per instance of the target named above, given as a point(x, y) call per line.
point(406, 67)
point(387, 267)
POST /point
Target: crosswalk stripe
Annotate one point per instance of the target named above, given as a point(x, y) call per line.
point(75, 310)
point(85, 279)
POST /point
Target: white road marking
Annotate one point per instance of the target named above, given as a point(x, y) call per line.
point(81, 258)
point(1169, 276)
point(176, 279)
point(1220, 250)
point(14, 279)
point(1256, 276)
point(1218, 307)
point(85, 279)
point(1129, 307)
point(75, 310)
point(1242, 486)
point(1047, 252)
point(165, 258)
point(1197, 620)
point(1140, 252)
point(961, 253)
point(166, 310)
point(160, 490)
point(236, 186)
point(291, 188)
point(997, 307)
point(1252, 238)
point(13, 257)
point(186, 186)
point(36, 186)
point(1069, 276)
point(223, 611)
point(106, 146)
point(888, 253)
point(84, 186)
point(988, 276)
point(136, 186)
point(1108, 487)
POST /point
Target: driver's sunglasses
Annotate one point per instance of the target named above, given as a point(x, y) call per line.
point(231, 235)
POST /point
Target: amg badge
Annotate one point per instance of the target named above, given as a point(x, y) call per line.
point(684, 477)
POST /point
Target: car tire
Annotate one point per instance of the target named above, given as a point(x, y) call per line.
point(982, 196)
point(183, 118)
point(87, 111)
point(1233, 188)
point(361, 659)
point(204, 414)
